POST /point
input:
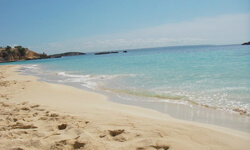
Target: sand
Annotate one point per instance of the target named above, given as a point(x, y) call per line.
point(40, 115)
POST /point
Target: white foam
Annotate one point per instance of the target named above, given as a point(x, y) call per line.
point(93, 77)
point(89, 81)
point(70, 75)
point(33, 66)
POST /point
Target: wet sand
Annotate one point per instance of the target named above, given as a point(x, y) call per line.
point(194, 113)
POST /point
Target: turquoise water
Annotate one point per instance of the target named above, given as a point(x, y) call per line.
point(214, 76)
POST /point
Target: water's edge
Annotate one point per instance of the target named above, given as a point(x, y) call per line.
point(180, 111)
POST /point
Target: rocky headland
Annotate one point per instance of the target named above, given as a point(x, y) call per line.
point(19, 53)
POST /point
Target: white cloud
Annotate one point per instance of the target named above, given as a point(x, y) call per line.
point(13, 45)
point(227, 29)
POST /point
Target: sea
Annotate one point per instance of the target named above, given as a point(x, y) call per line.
point(216, 77)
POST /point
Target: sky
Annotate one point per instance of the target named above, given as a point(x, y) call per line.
point(54, 26)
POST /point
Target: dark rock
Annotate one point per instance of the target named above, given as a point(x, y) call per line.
point(247, 43)
point(56, 56)
point(62, 126)
point(101, 53)
point(114, 52)
point(66, 54)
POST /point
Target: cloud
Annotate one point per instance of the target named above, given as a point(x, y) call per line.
point(226, 29)
point(13, 45)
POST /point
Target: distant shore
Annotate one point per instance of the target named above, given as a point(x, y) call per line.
point(39, 115)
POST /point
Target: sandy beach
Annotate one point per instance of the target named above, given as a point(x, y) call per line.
point(40, 115)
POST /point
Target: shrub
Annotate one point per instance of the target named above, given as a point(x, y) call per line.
point(8, 48)
point(18, 47)
point(22, 51)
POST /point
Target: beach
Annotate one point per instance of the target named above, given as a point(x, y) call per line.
point(40, 115)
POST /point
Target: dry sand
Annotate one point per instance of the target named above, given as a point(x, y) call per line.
point(39, 115)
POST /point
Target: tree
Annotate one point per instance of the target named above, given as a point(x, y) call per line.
point(18, 47)
point(8, 48)
point(22, 51)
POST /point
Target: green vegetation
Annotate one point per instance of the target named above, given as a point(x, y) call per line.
point(4, 55)
point(43, 56)
point(8, 48)
point(21, 50)
point(18, 53)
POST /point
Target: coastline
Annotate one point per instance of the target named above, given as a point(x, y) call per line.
point(182, 111)
point(96, 119)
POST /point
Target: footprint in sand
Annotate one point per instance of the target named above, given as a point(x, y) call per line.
point(114, 133)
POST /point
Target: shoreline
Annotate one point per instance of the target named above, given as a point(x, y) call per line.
point(186, 112)
point(106, 124)
point(196, 114)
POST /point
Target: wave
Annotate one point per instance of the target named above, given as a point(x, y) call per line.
point(102, 82)
point(71, 75)
point(32, 66)
point(148, 94)
point(227, 89)
point(94, 76)
point(89, 81)
point(155, 96)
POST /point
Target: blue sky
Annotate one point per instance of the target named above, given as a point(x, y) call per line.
point(53, 26)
